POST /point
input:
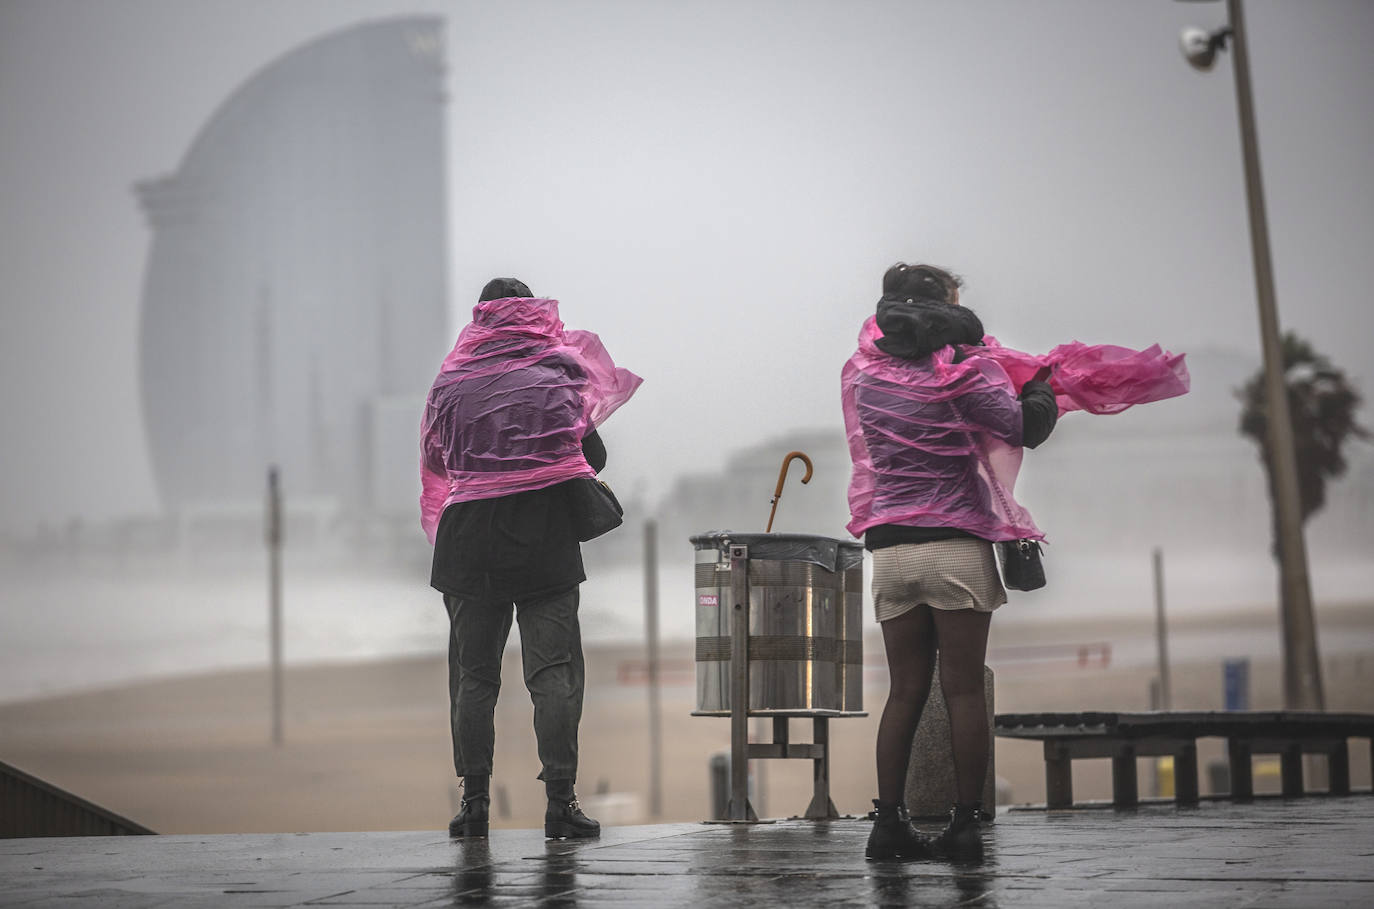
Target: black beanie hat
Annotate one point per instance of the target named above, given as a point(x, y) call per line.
point(501, 288)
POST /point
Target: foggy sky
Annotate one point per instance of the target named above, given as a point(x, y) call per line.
point(715, 188)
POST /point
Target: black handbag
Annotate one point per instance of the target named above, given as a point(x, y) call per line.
point(1021, 567)
point(595, 509)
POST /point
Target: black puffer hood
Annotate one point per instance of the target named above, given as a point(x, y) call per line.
point(914, 329)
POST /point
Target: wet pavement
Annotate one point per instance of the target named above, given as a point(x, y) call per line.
point(1313, 852)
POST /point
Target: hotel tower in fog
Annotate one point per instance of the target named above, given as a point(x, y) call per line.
point(294, 305)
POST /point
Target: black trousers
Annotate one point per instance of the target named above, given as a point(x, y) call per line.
point(551, 654)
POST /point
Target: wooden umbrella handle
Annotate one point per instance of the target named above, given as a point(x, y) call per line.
point(782, 478)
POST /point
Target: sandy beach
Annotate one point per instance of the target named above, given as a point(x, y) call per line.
point(366, 744)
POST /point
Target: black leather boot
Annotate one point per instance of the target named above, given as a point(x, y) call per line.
point(962, 838)
point(566, 820)
point(893, 836)
point(472, 817)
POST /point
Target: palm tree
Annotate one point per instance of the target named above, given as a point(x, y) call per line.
point(1322, 404)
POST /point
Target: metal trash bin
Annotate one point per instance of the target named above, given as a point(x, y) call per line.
point(805, 624)
point(851, 633)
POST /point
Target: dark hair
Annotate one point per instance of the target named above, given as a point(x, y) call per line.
point(920, 282)
point(501, 288)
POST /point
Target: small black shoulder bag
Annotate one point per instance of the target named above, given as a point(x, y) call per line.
point(595, 509)
point(1021, 566)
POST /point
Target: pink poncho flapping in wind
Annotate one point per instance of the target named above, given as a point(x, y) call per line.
point(937, 443)
point(511, 405)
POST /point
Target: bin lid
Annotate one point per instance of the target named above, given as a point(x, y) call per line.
point(827, 552)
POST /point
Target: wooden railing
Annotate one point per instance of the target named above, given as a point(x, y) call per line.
point(31, 807)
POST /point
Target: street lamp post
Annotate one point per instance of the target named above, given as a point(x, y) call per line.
point(1302, 683)
point(274, 541)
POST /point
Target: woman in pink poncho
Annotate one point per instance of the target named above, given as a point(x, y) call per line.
point(937, 416)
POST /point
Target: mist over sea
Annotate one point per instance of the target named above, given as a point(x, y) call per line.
point(99, 622)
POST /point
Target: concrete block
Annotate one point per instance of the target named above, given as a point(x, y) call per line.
point(930, 788)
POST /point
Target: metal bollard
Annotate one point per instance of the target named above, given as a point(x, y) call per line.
point(720, 785)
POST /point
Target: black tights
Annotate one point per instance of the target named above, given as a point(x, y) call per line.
point(911, 641)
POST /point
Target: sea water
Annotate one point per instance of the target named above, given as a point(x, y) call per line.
point(67, 625)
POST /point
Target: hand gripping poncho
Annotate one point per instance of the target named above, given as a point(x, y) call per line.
point(937, 443)
point(511, 406)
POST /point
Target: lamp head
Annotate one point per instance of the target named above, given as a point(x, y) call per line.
point(1200, 46)
point(1197, 48)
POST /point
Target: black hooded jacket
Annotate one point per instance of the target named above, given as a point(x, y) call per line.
point(513, 547)
point(913, 329)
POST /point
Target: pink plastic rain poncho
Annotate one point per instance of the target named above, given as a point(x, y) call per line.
point(938, 444)
point(511, 405)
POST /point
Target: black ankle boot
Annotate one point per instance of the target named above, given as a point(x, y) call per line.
point(893, 836)
point(472, 817)
point(962, 838)
point(564, 819)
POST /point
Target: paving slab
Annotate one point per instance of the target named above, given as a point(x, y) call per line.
point(1313, 852)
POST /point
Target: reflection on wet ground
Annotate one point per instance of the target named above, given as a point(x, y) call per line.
point(1303, 853)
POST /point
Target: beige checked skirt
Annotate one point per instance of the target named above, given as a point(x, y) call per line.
point(943, 574)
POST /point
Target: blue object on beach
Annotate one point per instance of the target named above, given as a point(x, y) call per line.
point(1236, 681)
